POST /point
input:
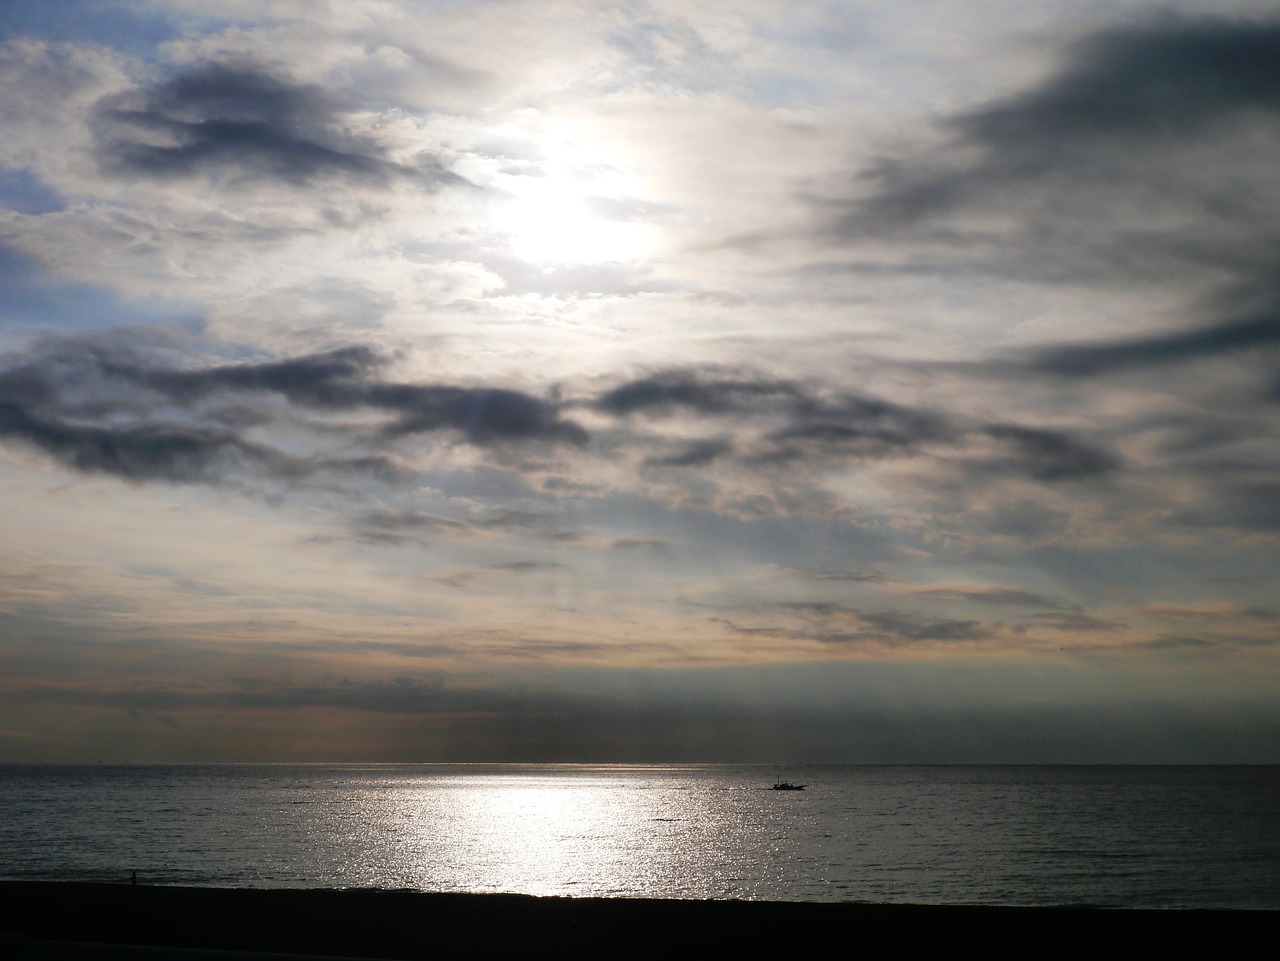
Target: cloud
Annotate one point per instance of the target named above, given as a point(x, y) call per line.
point(330, 379)
point(1180, 642)
point(99, 407)
point(1108, 356)
point(1144, 88)
point(406, 527)
point(1214, 613)
point(693, 454)
point(819, 425)
point(1162, 81)
point(420, 696)
point(1132, 189)
point(997, 596)
point(409, 526)
point(910, 626)
point(1141, 166)
point(345, 379)
point(1050, 455)
point(815, 419)
point(142, 452)
point(836, 625)
point(1249, 504)
point(1076, 623)
point(482, 415)
point(239, 120)
point(839, 576)
point(116, 405)
point(707, 392)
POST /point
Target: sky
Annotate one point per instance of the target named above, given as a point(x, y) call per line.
point(649, 381)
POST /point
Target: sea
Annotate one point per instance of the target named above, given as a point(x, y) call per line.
point(1106, 836)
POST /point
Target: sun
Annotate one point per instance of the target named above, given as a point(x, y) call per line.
point(569, 210)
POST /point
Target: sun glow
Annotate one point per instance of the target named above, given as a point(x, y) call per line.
point(570, 211)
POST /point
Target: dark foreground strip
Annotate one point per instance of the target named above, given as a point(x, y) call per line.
point(412, 925)
point(17, 948)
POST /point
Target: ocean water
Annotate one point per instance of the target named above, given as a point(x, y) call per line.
point(1165, 837)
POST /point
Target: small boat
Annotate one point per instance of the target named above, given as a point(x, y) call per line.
point(788, 786)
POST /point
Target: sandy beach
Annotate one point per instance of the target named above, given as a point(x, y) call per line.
point(414, 925)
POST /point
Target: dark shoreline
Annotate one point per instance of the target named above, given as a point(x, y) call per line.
point(411, 925)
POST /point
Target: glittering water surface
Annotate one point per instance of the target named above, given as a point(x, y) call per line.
point(1146, 836)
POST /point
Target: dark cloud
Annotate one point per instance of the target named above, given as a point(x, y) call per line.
point(1104, 357)
point(330, 379)
point(143, 452)
point(1143, 162)
point(483, 415)
point(865, 711)
point(854, 426)
point(837, 625)
point(1120, 89)
point(138, 412)
point(829, 575)
point(823, 426)
point(243, 120)
point(403, 527)
point(1176, 642)
point(910, 626)
point(708, 392)
point(1167, 79)
point(1050, 455)
point(816, 424)
point(527, 567)
point(1251, 505)
point(98, 407)
point(391, 696)
point(399, 527)
point(1218, 616)
point(346, 378)
point(998, 596)
point(1074, 621)
point(693, 454)
point(638, 543)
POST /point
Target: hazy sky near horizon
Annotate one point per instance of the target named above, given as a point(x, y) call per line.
point(640, 381)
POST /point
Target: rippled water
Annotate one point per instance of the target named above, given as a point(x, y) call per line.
point(1145, 837)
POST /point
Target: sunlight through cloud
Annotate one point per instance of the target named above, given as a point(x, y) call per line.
point(553, 214)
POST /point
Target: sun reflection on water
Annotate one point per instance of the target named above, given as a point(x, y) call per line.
point(553, 830)
point(564, 833)
point(544, 839)
point(551, 835)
